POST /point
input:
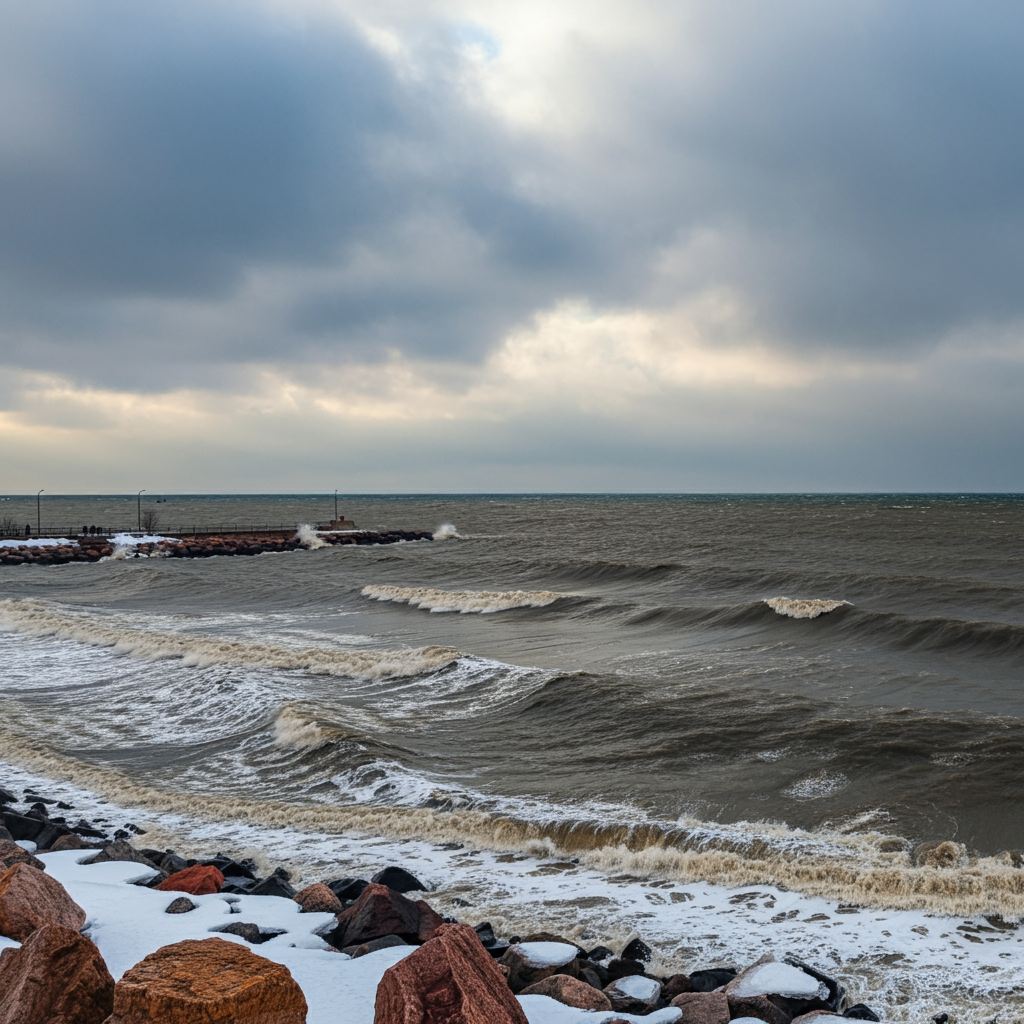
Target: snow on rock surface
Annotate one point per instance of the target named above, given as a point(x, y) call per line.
point(639, 987)
point(778, 979)
point(545, 1010)
point(548, 954)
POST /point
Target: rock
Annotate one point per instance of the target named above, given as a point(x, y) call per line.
point(198, 880)
point(620, 968)
point(399, 879)
point(274, 885)
point(318, 899)
point(570, 991)
point(7, 797)
point(768, 977)
point(599, 953)
point(120, 850)
point(22, 826)
point(207, 981)
point(637, 950)
point(675, 986)
point(5, 836)
point(182, 905)
point(708, 981)
point(530, 962)
point(384, 942)
point(771, 1009)
point(172, 863)
point(552, 937)
point(702, 1007)
point(234, 869)
point(485, 933)
point(822, 1000)
point(861, 1012)
point(30, 898)
point(635, 986)
point(815, 1015)
point(347, 888)
point(381, 911)
point(449, 980)
point(71, 841)
point(243, 929)
point(50, 834)
point(11, 853)
point(56, 977)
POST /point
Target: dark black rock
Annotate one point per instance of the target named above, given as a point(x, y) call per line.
point(156, 856)
point(595, 969)
point(599, 953)
point(273, 885)
point(384, 942)
point(50, 834)
point(497, 950)
point(85, 828)
point(941, 1018)
point(637, 950)
point(7, 797)
point(182, 905)
point(21, 826)
point(240, 885)
point(246, 930)
point(226, 866)
point(39, 808)
point(4, 834)
point(135, 828)
point(122, 834)
point(36, 798)
point(708, 981)
point(861, 1012)
point(835, 990)
point(152, 881)
point(399, 879)
point(620, 968)
point(171, 862)
point(347, 888)
point(65, 807)
point(485, 933)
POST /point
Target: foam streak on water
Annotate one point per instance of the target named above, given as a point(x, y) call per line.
point(482, 601)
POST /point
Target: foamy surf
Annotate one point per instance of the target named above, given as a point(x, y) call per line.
point(802, 609)
point(906, 964)
point(41, 618)
point(308, 537)
point(464, 601)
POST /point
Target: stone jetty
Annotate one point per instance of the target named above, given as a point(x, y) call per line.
point(199, 545)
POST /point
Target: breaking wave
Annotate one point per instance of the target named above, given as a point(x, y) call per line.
point(446, 531)
point(797, 609)
point(292, 730)
point(307, 536)
point(40, 618)
point(465, 601)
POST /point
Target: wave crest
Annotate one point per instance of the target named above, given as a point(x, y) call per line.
point(307, 536)
point(40, 618)
point(464, 601)
point(447, 531)
point(802, 609)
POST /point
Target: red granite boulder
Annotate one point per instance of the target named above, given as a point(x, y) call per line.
point(56, 977)
point(318, 899)
point(570, 991)
point(11, 853)
point(381, 911)
point(198, 880)
point(207, 981)
point(702, 1007)
point(451, 979)
point(30, 898)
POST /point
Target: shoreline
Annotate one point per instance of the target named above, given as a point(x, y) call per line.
point(895, 974)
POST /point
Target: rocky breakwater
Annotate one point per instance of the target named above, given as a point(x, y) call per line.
point(82, 549)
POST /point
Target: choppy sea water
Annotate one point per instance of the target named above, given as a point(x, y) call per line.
point(812, 698)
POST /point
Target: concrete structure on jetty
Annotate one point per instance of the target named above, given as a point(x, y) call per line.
point(90, 548)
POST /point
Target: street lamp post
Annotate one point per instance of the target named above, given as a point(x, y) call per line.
point(39, 528)
point(138, 499)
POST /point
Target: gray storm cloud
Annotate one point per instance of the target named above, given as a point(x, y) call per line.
point(858, 169)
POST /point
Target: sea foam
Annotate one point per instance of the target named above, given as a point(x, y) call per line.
point(802, 609)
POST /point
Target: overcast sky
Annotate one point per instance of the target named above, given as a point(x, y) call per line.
point(464, 245)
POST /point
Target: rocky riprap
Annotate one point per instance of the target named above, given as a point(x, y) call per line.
point(92, 549)
point(458, 974)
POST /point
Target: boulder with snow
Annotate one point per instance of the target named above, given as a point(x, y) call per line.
point(635, 993)
point(451, 979)
point(530, 962)
point(56, 977)
point(30, 898)
point(769, 977)
point(207, 981)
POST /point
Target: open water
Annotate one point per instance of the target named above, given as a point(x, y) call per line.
point(817, 693)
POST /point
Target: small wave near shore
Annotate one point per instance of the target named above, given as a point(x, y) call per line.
point(465, 601)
